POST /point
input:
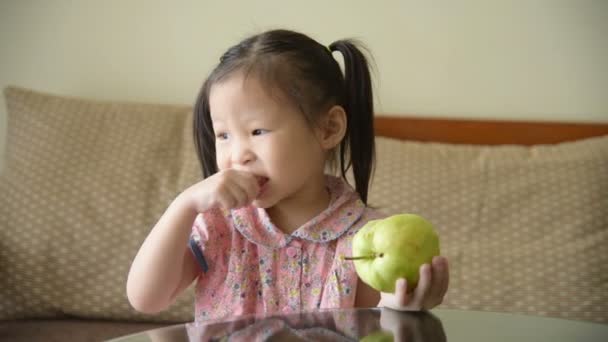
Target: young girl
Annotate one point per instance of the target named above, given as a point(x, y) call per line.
point(266, 229)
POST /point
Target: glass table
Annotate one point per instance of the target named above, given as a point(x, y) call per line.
point(376, 324)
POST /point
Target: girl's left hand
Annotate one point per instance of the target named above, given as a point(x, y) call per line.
point(432, 286)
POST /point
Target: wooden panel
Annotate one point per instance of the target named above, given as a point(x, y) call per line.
point(487, 132)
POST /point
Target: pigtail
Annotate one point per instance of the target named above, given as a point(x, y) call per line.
point(204, 137)
point(359, 107)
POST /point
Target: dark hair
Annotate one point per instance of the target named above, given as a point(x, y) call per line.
point(306, 74)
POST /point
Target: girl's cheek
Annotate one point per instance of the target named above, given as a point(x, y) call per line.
point(222, 160)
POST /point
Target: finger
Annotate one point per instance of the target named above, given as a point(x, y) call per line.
point(401, 296)
point(239, 195)
point(230, 196)
point(424, 284)
point(437, 274)
point(227, 202)
point(253, 189)
point(222, 193)
point(441, 278)
point(249, 184)
point(447, 275)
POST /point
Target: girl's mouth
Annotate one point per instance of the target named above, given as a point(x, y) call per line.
point(262, 181)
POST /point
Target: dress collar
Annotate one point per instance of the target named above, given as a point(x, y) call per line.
point(345, 208)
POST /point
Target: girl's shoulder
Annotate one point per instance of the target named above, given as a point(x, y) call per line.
point(370, 214)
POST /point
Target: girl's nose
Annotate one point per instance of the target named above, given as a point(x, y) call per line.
point(242, 154)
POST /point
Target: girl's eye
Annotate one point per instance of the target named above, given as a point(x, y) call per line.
point(222, 136)
point(258, 131)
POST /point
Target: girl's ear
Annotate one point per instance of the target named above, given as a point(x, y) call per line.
point(332, 128)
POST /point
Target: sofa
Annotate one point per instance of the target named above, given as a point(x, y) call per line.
point(521, 210)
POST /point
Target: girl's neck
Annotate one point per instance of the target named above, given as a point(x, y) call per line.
point(289, 215)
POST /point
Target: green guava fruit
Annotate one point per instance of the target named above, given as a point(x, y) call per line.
point(392, 248)
point(379, 336)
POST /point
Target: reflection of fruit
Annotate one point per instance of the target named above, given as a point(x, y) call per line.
point(392, 248)
point(378, 336)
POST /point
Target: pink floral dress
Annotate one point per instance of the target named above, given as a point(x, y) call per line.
point(252, 267)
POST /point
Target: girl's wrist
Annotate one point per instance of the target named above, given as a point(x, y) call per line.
point(184, 202)
point(381, 302)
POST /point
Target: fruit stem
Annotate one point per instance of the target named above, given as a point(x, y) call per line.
point(360, 257)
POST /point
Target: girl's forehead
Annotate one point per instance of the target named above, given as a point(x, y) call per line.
point(239, 94)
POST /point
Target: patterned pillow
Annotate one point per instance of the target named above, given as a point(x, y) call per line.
point(525, 228)
point(84, 182)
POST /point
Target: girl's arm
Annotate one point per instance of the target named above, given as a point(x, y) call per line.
point(163, 266)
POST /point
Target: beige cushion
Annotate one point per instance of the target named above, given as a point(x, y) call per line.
point(525, 228)
point(84, 183)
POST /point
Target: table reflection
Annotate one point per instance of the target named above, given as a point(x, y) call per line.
point(330, 325)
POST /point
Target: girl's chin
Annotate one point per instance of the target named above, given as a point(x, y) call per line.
point(261, 203)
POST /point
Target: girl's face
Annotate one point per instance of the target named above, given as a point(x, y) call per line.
point(258, 133)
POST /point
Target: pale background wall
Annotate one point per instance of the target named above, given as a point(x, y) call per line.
point(527, 59)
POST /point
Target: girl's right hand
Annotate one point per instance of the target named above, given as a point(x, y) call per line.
point(226, 189)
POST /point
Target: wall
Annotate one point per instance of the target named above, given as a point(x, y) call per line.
point(543, 59)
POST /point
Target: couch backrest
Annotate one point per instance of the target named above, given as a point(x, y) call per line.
point(525, 228)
